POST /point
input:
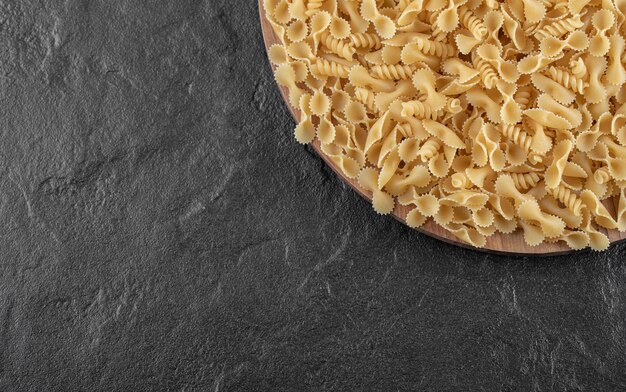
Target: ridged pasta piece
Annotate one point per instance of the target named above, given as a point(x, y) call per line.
point(523, 97)
point(601, 215)
point(579, 69)
point(366, 97)
point(525, 181)
point(433, 48)
point(568, 80)
point(323, 67)
point(393, 72)
point(437, 33)
point(488, 74)
point(554, 172)
point(342, 48)
point(412, 128)
point(517, 135)
point(567, 197)
point(559, 27)
point(429, 149)
point(420, 109)
point(461, 181)
point(530, 211)
point(366, 41)
point(472, 23)
point(313, 6)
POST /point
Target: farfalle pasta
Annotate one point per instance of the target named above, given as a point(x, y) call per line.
point(485, 116)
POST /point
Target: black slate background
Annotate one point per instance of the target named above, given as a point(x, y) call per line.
point(162, 231)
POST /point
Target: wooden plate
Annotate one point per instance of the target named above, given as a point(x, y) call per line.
point(511, 244)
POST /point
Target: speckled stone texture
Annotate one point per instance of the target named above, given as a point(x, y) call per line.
point(162, 231)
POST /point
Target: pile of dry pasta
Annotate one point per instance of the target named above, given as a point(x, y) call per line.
point(484, 115)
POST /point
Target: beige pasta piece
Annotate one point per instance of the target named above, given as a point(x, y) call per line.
point(554, 173)
point(567, 197)
point(487, 72)
point(621, 210)
point(323, 67)
point(340, 28)
point(568, 80)
point(385, 27)
point(342, 48)
point(553, 88)
point(525, 181)
point(511, 113)
point(359, 76)
point(286, 76)
point(507, 70)
point(383, 202)
point(319, 23)
point(602, 21)
point(552, 46)
point(472, 23)
point(560, 27)
point(530, 211)
point(534, 10)
point(615, 73)
point(393, 72)
point(487, 117)
point(429, 47)
point(366, 41)
point(535, 62)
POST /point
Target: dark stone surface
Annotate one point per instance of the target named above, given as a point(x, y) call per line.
point(162, 231)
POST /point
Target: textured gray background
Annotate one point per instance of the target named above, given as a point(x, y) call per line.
point(162, 231)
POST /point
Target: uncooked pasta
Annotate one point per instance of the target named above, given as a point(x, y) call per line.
point(485, 116)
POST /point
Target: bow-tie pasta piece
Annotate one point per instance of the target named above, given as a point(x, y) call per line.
point(340, 28)
point(552, 46)
point(385, 27)
point(602, 21)
point(616, 74)
point(483, 116)
point(297, 31)
point(305, 130)
point(448, 19)
point(383, 202)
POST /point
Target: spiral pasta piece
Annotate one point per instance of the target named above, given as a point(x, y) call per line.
point(366, 97)
point(342, 48)
point(437, 33)
point(559, 28)
point(488, 74)
point(313, 6)
point(523, 97)
point(429, 149)
point(568, 80)
point(461, 181)
point(325, 67)
point(602, 175)
point(579, 69)
point(366, 41)
point(472, 23)
point(420, 109)
point(393, 72)
point(434, 48)
point(567, 197)
point(517, 136)
point(525, 181)
point(412, 129)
